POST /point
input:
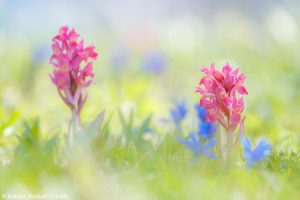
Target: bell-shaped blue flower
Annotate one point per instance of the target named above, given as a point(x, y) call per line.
point(206, 129)
point(179, 112)
point(201, 112)
point(256, 154)
point(197, 147)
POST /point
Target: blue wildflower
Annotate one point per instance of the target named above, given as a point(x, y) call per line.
point(197, 147)
point(253, 156)
point(201, 112)
point(179, 112)
point(206, 129)
point(154, 62)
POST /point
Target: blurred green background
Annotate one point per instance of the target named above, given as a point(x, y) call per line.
point(150, 53)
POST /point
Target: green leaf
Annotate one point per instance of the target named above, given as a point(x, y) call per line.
point(145, 125)
point(49, 146)
point(127, 126)
point(132, 153)
point(90, 131)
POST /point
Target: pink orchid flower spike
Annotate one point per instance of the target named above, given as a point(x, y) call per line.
point(73, 70)
point(222, 95)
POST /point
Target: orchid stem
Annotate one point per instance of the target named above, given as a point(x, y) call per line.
point(74, 126)
point(229, 145)
point(219, 142)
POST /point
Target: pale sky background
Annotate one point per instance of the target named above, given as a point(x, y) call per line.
point(28, 16)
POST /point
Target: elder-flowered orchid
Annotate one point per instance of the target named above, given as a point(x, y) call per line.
point(73, 68)
point(219, 90)
point(256, 154)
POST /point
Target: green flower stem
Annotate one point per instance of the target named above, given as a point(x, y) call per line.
point(74, 126)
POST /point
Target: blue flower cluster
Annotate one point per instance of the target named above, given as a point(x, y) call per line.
point(253, 156)
point(201, 142)
point(199, 148)
point(206, 129)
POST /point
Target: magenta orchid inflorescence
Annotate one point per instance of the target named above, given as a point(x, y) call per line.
point(73, 67)
point(219, 90)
